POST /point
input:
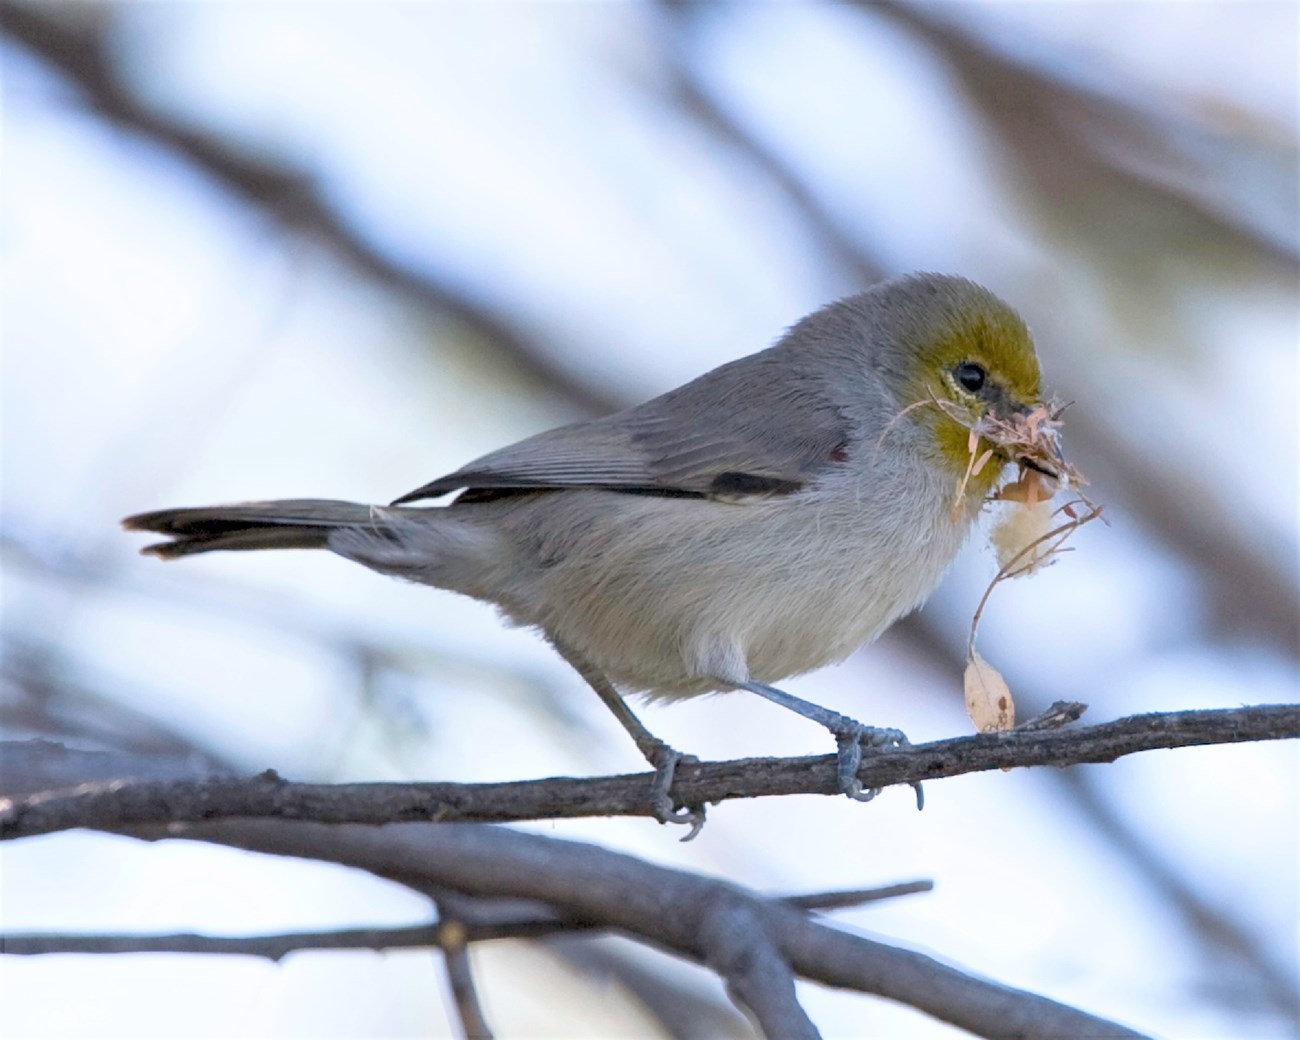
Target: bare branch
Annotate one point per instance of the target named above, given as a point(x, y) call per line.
point(695, 917)
point(681, 1011)
point(430, 936)
point(271, 947)
point(1229, 945)
point(692, 96)
point(453, 938)
point(739, 947)
point(1073, 141)
point(82, 51)
point(856, 897)
point(1224, 940)
point(480, 874)
point(117, 803)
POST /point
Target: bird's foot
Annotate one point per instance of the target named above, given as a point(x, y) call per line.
point(850, 738)
point(665, 760)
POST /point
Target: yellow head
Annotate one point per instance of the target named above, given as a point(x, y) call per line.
point(966, 356)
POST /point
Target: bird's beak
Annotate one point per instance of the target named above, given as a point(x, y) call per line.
point(1038, 467)
point(1044, 454)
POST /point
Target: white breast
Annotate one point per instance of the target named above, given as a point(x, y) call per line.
point(676, 597)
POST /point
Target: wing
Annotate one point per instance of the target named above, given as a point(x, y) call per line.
point(758, 426)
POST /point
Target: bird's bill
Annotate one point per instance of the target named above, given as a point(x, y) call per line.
point(1029, 435)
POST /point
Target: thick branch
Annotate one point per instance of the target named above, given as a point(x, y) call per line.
point(700, 918)
point(747, 957)
point(114, 804)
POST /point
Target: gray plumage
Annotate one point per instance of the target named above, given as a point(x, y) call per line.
point(760, 521)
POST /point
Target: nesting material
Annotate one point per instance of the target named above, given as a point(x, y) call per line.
point(1020, 528)
point(1031, 439)
point(1029, 536)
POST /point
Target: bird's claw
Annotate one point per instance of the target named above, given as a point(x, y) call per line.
point(666, 760)
point(882, 737)
point(850, 737)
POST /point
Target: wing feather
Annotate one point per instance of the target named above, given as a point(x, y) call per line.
point(764, 423)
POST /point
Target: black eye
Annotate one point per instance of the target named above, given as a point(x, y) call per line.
point(970, 375)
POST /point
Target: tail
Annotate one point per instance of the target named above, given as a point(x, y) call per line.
point(301, 523)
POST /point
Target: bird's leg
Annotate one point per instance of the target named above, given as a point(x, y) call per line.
point(661, 756)
point(850, 736)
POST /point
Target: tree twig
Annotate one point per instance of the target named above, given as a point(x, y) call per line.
point(478, 928)
point(682, 1011)
point(857, 897)
point(270, 947)
point(114, 804)
point(423, 936)
point(453, 938)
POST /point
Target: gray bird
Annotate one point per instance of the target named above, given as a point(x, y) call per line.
point(761, 521)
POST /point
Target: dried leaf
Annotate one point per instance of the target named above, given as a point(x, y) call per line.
point(988, 698)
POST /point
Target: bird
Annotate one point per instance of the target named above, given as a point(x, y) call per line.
point(761, 521)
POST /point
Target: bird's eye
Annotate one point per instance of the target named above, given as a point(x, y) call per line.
point(970, 375)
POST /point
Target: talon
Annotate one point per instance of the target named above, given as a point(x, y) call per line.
point(877, 737)
point(849, 743)
point(693, 815)
point(666, 760)
point(862, 794)
point(850, 736)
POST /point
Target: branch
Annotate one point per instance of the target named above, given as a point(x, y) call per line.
point(467, 930)
point(514, 881)
point(83, 52)
point(681, 1008)
point(271, 947)
point(117, 803)
point(689, 92)
point(703, 919)
point(1139, 147)
point(856, 897)
point(744, 951)
point(453, 938)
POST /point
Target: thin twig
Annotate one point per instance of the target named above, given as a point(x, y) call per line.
point(453, 938)
point(856, 897)
point(1027, 559)
point(427, 936)
point(270, 947)
point(1056, 715)
point(117, 803)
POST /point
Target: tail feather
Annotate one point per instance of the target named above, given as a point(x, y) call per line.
point(288, 524)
